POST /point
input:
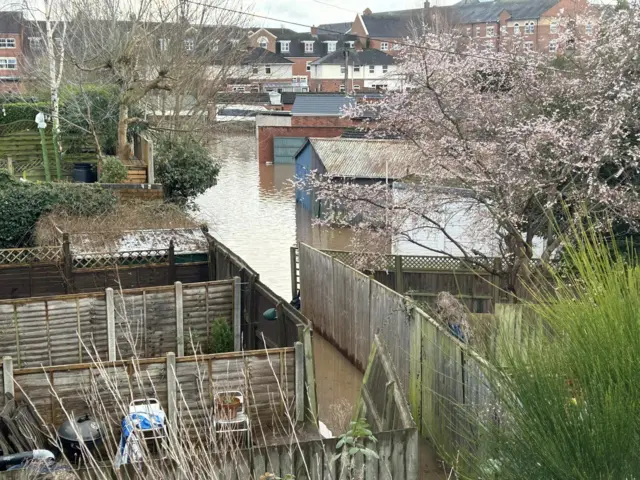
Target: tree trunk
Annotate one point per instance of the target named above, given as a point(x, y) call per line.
point(123, 145)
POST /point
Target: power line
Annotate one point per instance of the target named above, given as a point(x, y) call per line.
point(420, 47)
point(335, 6)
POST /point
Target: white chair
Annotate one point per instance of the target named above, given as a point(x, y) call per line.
point(231, 426)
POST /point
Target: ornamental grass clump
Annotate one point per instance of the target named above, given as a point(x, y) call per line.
point(568, 405)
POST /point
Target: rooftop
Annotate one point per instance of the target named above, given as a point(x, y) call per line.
point(322, 105)
point(366, 158)
point(185, 240)
point(262, 56)
point(370, 56)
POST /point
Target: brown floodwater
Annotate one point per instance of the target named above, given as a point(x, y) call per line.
point(253, 211)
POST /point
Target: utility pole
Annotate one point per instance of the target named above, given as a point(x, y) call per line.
point(346, 71)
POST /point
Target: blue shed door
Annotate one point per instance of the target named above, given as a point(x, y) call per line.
point(284, 148)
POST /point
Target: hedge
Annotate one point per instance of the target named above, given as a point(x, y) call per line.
point(13, 112)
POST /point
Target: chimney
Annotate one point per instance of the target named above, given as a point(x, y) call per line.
point(367, 11)
point(314, 30)
point(427, 5)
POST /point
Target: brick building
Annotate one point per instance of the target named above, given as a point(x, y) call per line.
point(11, 56)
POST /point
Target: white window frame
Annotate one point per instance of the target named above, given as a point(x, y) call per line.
point(356, 68)
point(163, 44)
point(490, 30)
point(553, 46)
point(189, 44)
point(385, 68)
point(331, 46)
point(372, 69)
point(8, 63)
point(384, 46)
point(588, 29)
point(516, 29)
point(477, 31)
point(8, 42)
point(349, 44)
point(342, 69)
point(341, 88)
point(553, 27)
point(239, 89)
point(529, 28)
point(35, 43)
point(255, 70)
point(285, 46)
point(356, 87)
point(267, 69)
point(308, 46)
point(263, 42)
point(309, 65)
point(503, 30)
point(468, 31)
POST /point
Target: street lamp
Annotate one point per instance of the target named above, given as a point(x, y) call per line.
point(45, 159)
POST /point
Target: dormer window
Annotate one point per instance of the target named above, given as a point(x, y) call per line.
point(308, 46)
point(349, 44)
point(331, 46)
point(189, 44)
point(285, 46)
point(263, 42)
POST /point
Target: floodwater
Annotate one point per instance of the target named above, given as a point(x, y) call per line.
point(253, 211)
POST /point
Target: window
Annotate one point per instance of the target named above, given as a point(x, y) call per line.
point(342, 69)
point(490, 31)
point(385, 68)
point(238, 89)
point(384, 46)
point(489, 45)
point(308, 66)
point(331, 46)
point(356, 68)
point(468, 31)
point(589, 29)
point(396, 46)
point(214, 47)
point(255, 70)
point(285, 47)
point(163, 44)
point(349, 44)
point(267, 69)
point(189, 45)
point(341, 88)
point(529, 28)
point(8, 64)
point(356, 87)
point(477, 31)
point(372, 69)
point(503, 29)
point(516, 29)
point(7, 43)
point(263, 42)
point(528, 46)
point(35, 43)
point(554, 27)
point(308, 47)
point(553, 46)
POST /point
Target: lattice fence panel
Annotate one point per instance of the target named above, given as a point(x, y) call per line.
point(111, 259)
point(22, 256)
point(415, 262)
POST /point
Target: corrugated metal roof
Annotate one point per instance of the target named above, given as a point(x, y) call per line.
point(322, 105)
point(362, 158)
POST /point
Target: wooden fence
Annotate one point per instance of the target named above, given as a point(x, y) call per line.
point(440, 376)
point(146, 322)
point(423, 277)
point(185, 386)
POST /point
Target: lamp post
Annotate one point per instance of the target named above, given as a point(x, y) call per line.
point(45, 159)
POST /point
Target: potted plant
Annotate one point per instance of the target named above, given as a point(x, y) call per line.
point(227, 406)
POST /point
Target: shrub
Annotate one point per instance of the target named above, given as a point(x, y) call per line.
point(220, 337)
point(113, 171)
point(23, 203)
point(185, 168)
point(13, 112)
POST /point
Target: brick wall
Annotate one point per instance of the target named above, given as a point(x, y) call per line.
point(332, 85)
point(266, 135)
point(7, 86)
point(300, 65)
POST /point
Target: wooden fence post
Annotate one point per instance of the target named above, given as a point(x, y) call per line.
point(179, 320)
point(237, 314)
point(310, 371)
point(212, 260)
point(282, 327)
point(111, 324)
point(399, 275)
point(299, 380)
point(7, 376)
point(497, 266)
point(250, 313)
point(172, 397)
point(172, 263)
point(10, 165)
point(67, 261)
point(294, 271)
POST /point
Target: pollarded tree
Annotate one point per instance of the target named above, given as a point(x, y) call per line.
point(520, 145)
point(145, 47)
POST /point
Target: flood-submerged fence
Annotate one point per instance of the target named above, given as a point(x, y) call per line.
point(439, 375)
